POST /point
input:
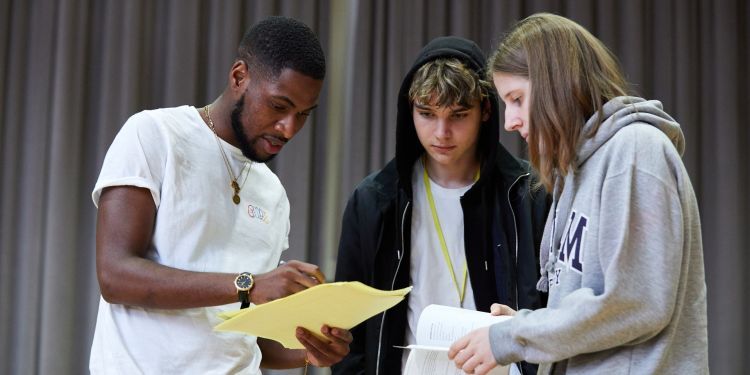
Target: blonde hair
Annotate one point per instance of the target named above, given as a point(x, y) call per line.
point(572, 75)
point(447, 81)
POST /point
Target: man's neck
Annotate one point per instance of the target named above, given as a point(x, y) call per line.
point(221, 111)
point(452, 176)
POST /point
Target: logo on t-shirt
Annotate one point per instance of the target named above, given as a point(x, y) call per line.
point(258, 213)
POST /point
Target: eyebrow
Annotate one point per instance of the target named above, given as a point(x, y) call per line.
point(428, 107)
point(508, 94)
point(291, 103)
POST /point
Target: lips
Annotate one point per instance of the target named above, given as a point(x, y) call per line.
point(273, 144)
point(443, 148)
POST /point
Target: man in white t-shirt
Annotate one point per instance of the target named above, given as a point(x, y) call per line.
point(452, 214)
point(191, 222)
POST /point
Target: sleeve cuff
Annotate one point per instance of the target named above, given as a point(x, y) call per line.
point(505, 349)
point(130, 181)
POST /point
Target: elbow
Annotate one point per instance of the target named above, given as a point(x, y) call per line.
point(107, 287)
point(650, 323)
point(660, 313)
point(657, 324)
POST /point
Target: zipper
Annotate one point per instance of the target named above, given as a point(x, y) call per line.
point(400, 256)
point(515, 229)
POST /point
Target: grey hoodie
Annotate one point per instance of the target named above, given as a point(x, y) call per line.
point(622, 257)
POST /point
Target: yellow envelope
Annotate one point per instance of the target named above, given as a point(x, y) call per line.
point(341, 304)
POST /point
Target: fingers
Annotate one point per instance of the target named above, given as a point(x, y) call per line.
point(470, 365)
point(289, 278)
point(461, 358)
point(500, 309)
point(474, 365)
point(310, 274)
point(472, 353)
point(323, 353)
point(457, 346)
point(484, 368)
point(337, 334)
point(315, 348)
point(274, 285)
point(495, 309)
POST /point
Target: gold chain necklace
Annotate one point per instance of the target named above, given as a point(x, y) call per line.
point(233, 184)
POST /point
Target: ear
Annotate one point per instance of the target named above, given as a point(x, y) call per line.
point(239, 76)
point(486, 110)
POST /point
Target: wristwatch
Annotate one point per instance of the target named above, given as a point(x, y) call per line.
point(244, 282)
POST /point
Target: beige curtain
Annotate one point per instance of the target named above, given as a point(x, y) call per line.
point(74, 70)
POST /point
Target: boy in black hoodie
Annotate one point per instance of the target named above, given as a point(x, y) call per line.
point(452, 214)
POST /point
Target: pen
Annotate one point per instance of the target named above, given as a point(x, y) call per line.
point(282, 262)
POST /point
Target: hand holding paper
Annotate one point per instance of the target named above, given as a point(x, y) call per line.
point(342, 304)
point(472, 353)
point(324, 353)
point(437, 328)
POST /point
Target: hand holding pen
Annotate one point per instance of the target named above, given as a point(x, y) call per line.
point(288, 278)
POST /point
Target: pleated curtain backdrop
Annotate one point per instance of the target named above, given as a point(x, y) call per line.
point(74, 70)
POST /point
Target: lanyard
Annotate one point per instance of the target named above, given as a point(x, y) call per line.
point(462, 289)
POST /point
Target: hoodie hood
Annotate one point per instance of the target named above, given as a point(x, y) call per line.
point(623, 111)
point(408, 147)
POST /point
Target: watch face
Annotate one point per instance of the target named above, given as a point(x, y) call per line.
point(243, 281)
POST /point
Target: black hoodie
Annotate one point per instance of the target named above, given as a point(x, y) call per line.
point(503, 224)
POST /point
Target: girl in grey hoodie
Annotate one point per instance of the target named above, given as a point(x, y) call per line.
point(621, 256)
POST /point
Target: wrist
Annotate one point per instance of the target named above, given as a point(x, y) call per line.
point(244, 283)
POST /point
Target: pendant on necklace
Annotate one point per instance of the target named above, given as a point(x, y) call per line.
point(236, 195)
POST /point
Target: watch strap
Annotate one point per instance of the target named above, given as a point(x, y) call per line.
point(244, 296)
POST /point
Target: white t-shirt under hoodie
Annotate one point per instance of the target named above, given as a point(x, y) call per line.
point(172, 153)
point(428, 269)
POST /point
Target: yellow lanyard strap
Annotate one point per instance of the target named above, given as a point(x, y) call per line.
point(462, 289)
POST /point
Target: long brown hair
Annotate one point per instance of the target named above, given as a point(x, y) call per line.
point(572, 75)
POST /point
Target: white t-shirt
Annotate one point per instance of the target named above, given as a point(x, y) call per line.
point(428, 270)
point(175, 155)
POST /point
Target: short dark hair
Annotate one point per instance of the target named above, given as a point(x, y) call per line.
point(277, 43)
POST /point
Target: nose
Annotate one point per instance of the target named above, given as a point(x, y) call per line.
point(289, 126)
point(442, 129)
point(512, 121)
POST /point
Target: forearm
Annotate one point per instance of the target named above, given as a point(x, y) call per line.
point(583, 323)
point(127, 275)
point(141, 282)
point(132, 280)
